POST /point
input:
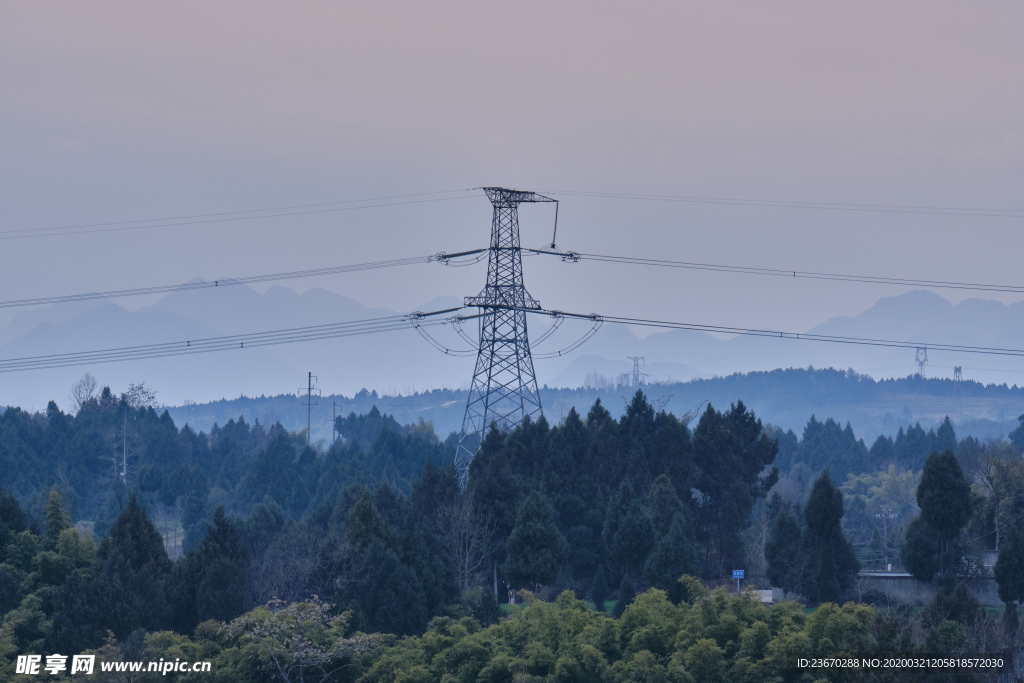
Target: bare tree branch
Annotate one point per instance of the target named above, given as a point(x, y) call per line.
point(468, 535)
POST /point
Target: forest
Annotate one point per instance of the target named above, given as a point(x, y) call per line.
point(592, 549)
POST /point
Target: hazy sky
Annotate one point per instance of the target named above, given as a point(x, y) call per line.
point(116, 111)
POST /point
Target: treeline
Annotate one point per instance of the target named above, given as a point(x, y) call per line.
point(880, 483)
point(115, 446)
point(378, 530)
point(783, 396)
point(828, 446)
point(592, 504)
point(710, 636)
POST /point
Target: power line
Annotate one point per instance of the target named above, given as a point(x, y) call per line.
point(781, 204)
point(298, 209)
point(778, 272)
point(227, 282)
point(223, 218)
point(273, 208)
point(228, 342)
point(479, 254)
point(797, 336)
point(998, 528)
point(420, 320)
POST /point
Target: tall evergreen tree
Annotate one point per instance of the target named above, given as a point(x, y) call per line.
point(536, 548)
point(599, 590)
point(944, 497)
point(731, 451)
point(782, 551)
point(496, 489)
point(1009, 573)
point(208, 582)
point(663, 504)
point(628, 532)
point(920, 550)
point(127, 589)
point(365, 523)
point(833, 564)
point(1016, 437)
point(672, 558)
point(627, 594)
point(57, 520)
point(131, 573)
point(13, 521)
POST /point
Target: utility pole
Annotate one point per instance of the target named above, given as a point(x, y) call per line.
point(637, 362)
point(309, 389)
point(504, 387)
point(885, 515)
point(124, 452)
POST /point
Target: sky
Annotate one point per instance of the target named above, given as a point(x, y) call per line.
point(121, 111)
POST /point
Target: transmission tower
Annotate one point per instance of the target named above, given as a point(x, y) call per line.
point(921, 358)
point(309, 403)
point(958, 380)
point(334, 422)
point(504, 388)
point(638, 362)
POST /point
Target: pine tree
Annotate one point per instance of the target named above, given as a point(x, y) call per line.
point(365, 523)
point(731, 451)
point(672, 558)
point(944, 497)
point(536, 548)
point(627, 594)
point(299, 499)
point(830, 554)
point(599, 590)
point(1009, 573)
point(920, 550)
point(127, 589)
point(13, 521)
point(57, 520)
point(782, 551)
point(663, 504)
point(628, 532)
point(826, 583)
point(209, 582)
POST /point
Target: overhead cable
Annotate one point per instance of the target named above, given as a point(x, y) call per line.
point(575, 345)
point(776, 334)
point(780, 204)
point(778, 272)
point(228, 217)
point(212, 284)
point(476, 255)
point(238, 341)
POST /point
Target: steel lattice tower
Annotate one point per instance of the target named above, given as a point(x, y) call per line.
point(504, 387)
point(958, 381)
point(921, 358)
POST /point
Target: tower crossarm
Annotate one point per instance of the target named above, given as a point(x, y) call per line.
point(501, 196)
point(513, 301)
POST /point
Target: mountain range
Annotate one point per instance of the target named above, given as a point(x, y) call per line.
point(401, 362)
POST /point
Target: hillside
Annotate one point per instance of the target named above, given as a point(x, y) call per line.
point(786, 398)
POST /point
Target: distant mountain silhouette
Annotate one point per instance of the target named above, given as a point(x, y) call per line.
point(402, 362)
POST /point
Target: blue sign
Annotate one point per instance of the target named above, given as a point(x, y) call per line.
point(737, 573)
